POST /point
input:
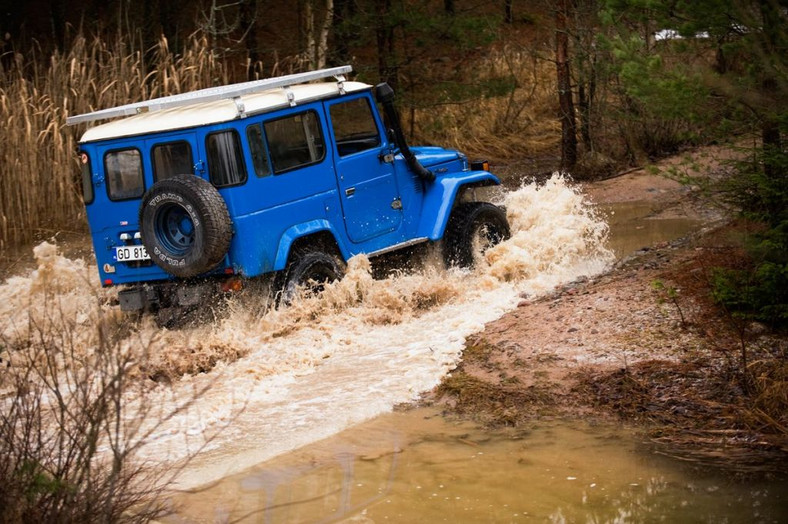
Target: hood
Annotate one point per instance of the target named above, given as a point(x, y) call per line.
point(430, 156)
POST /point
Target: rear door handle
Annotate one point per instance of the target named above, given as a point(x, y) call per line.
point(350, 191)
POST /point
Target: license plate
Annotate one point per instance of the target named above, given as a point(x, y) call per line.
point(131, 253)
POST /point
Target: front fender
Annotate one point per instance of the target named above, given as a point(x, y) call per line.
point(439, 200)
point(301, 230)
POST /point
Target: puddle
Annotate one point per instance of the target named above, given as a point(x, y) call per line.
point(417, 467)
point(637, 225)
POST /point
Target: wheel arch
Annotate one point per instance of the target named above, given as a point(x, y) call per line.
point(442, 197)
point(316, 232)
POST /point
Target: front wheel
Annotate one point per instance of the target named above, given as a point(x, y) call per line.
point(308, 272)
point(473, 228)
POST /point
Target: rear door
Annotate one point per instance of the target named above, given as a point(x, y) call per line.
point(367, 185)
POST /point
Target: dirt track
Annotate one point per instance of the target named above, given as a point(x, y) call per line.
point(640, 343)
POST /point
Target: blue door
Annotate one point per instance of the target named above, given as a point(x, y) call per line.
point(367, 185)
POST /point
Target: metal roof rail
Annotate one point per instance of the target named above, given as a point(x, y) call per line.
point(233, 91)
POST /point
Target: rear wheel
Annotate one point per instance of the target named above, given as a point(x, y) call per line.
point(308, 272)
point(473, 228)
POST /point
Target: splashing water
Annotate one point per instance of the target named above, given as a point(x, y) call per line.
point(58, 290)
point(283, 378)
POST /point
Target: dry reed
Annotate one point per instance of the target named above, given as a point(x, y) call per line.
point(519, 124)
point(39, 180)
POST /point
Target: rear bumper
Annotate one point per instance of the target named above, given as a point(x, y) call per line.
point(152, 297)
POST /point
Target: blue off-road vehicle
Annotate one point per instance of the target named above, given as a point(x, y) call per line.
point(285, 175)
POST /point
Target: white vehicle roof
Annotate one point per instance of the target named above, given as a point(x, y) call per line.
point(217, 111)
point(216, 104)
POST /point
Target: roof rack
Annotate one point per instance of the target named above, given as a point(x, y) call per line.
point(233, 91)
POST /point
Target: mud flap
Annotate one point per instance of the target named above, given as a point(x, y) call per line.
point(142, 298)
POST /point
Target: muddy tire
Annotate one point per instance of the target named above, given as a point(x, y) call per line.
point(473, 228)
point(308, 272)
point(185, 225)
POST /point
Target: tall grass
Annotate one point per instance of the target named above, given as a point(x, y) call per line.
point(39, 184)
point(520, 122)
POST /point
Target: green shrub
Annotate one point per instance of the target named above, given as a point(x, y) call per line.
point(760, 292)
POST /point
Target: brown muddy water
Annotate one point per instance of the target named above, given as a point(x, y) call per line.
point(418, 467)
point(295, 424)
point(638, 225)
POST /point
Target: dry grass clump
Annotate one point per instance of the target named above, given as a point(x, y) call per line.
point(518, 123)
point(769, 407)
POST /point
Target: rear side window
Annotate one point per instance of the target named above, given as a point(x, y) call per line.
point(87, 178)
point(254, 134)
point(225, 159)
point(354, 126)
point(172, 159)
point(295, 141)
point(123, 170)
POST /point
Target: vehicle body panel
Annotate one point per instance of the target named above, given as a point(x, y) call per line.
point(368, 200)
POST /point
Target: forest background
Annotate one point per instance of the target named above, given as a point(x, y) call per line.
point(587, 86)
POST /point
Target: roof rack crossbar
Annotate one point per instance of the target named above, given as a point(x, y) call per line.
point(212, 93)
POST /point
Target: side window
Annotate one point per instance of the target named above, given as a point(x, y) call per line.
point(171, 159)
point(354, 126)
point(294, 141)
point(87, 178)
point(123, 169)
point(254, 134)
point(225, 159)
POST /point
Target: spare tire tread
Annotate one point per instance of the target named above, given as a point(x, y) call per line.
point(210, 217)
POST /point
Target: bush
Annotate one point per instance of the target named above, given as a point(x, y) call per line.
point(68, 448)
point(760, 292)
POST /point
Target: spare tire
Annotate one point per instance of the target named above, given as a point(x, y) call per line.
point(185, 225)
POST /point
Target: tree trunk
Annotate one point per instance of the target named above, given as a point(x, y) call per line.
point(321, 50)
point(770, 128)
point(508, 15)
point(248, 19)
point(309, 32)
point(317, 24)
point(567, 110)
point(584, 106)
point(384, 33)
